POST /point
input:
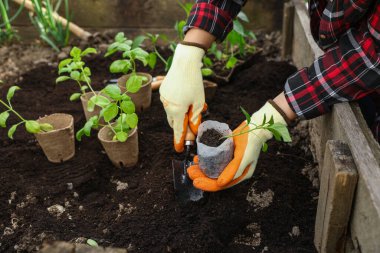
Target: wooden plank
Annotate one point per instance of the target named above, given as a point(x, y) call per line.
point(338, 182)
point(345, 123)
point(65, 247)
point(155, 13)
point(287, 30)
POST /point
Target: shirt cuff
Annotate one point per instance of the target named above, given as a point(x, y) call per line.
point(212, 18)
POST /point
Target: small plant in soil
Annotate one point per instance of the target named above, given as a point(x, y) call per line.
point(7, 32)
point(120, 108)
point(279, 130)
point(31, 126)
point(131, 52)
point(75, 69)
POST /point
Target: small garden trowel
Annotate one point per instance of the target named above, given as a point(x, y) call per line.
point(183, 186)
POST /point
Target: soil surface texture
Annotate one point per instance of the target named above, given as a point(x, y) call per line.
point(212, 138)
point(135, 208)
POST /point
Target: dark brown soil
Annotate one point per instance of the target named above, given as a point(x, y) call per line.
point(212, 138)
point(256, 216)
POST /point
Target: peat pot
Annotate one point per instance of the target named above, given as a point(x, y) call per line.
point(84, 99)
point(143, 97)
point(213, 160)
point(58, 144)
point(121, 154)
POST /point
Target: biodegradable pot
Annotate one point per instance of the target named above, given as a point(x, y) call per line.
point(213, 160)
point(58, 144)
point(210, 89)
point(143, 97)
point(121, 154)
point(84, 99)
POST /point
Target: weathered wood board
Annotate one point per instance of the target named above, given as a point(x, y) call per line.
point(345, 123)
point(149, 16)
point(338, 182)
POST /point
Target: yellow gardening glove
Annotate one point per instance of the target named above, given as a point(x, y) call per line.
point(182, 92)
point(246, 154)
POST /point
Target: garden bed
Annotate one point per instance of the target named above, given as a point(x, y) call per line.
point(135, 208)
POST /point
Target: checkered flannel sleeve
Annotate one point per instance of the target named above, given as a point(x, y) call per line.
point(346, 72)
point(214, 16)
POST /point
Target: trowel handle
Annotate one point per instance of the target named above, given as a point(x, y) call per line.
point(189, 135)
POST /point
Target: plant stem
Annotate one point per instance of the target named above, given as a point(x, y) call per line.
point(160, 56)
point(87, 81)
point(5, 17)
point(12, 110)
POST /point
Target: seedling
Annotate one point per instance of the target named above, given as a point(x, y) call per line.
point(120, 108)
point(31, 126)
point(131, 53)
point(51, 30)
point(75, 69)
point(279, 130)
point(7, 33)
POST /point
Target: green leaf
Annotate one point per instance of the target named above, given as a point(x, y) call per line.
point(11, 92)
point(87, 127)
point(110, 112)
point(90, 105)
point(121, 136)
point(207, 61)
point(120, 66)
point(207, 72)
point(87, 71)
point(100, 100)
point(92, 243)
point(79, 134)
point(134, 83)
point(64, 70)
point(89, 50)
point(75, 75)
point(246, 114)
point(137, 41)
point(62, 79)
point(265, 147)
point(243, 16)
point(64, 63)
point(75, 96)
point(169, 63)
point(152, 60)
point(141, 55)
point(132, 120)
point(11, 131)
point(271, 120)
point(231, 62)
point(46, 127)
point(264, 119)
point(275, 133)
point(127, 107)
point(113, 91)
point(84, 88)
point(32, 126)
point(282, 130)
point(120, 37)
point(75, 52)
point(3, 119)
point(238, 27)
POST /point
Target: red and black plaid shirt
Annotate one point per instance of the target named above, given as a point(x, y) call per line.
point(348, 31)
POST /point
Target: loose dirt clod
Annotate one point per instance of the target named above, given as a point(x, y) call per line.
point(56, 210)
point(260, 200)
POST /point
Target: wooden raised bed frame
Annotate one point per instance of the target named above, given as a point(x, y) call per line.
point(345, 123)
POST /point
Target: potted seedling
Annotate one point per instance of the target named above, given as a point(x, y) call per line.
point(54, 133)
point(131, 52)
point(215, 145)
point(210, 87)
point(118, 135)
point(73, 68)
